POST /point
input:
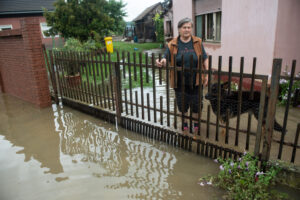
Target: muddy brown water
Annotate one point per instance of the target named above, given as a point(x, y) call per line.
point(60, 153)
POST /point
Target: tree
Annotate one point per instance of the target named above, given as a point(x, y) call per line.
point(159, 27)
point(115, 10)
point(84, 19)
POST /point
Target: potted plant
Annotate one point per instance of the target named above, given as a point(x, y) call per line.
point(73, 74)
point(73, 68)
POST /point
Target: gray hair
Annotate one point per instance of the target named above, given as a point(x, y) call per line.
point(183, 21)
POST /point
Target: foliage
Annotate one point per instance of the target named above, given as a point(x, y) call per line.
point(115, 10)
point(167, 4)
point(159, 27)
point(242, 179)
point(284, 90)
point(84, 19)
point(73, 44)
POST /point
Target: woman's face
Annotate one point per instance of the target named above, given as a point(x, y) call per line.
point(186, 30)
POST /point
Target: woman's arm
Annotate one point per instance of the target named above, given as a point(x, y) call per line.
point(163, 61)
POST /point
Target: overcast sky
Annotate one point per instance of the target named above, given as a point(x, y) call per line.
point(135, 7)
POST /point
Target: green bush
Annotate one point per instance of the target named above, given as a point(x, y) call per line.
point(159, 28)
point(284, 89)
point(73, 44)
point(243, 179)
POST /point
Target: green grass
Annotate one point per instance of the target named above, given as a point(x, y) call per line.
point(126, 47)
point(137, 83)
point(129, 47)
point(125, 82)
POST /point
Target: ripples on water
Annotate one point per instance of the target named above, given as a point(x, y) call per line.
point(72, 155)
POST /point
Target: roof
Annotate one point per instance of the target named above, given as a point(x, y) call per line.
point(9, 7)
point(146, 11)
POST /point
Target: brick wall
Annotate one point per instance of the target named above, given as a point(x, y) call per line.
point(22, 66)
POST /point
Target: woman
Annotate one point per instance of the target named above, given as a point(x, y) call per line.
point(184, 47)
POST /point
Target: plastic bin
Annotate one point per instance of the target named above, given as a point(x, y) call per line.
point(109, 44)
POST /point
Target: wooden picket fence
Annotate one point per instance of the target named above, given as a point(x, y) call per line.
point(134, 93)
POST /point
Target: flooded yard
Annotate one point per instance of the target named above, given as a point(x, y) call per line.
point(60, 153)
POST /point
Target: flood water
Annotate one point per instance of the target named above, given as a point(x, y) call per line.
point(60, 153)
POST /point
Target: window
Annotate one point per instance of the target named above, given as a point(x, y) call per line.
point(5, 27)
point(169, 28)
point(208, 27)
point(44, 27)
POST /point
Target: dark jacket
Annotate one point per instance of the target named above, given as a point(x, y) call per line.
point(173, 47)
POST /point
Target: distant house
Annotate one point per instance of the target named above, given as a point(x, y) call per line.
point(11, 11)
point(265, 29)
point(144, 24)
point(129, 31)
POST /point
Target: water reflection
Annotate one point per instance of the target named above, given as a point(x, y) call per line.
point(30, 131)
point(75, 149)
point(138, 165)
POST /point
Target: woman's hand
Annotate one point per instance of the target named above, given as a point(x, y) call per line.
point(161, 63)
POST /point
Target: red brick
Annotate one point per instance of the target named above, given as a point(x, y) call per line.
point(22, 64)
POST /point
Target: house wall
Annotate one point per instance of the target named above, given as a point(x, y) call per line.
point(22, 66)
point(168, 17)
point(261, 28)
point(15, 22)
point(248, 30)
point(287, 43)
point(181, 9)
point(207, 6)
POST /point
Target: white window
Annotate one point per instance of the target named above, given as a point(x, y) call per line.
point(44, 27)
point(208, 26)
point(5, 27)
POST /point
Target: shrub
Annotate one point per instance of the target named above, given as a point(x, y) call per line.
point(242, 179)
point(284, 90)
point(159, 28)
point(73, 44)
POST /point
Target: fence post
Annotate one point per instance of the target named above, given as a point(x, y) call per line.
point(287, 109)
point(117, 89)
point(276, 69)
point(260, 117)
point(53, 76)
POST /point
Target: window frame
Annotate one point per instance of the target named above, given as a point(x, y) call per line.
point(6, 27)
point(204, 28)
point(43, 25)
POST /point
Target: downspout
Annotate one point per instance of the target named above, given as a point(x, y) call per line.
point(275, 33)
point(194, 16)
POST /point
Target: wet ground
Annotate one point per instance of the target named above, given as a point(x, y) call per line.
point(292, 122)
point(60, 153)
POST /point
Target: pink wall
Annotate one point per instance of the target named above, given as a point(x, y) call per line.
point(248, 30)
point(287, 43)
point(181, 9)
point(264, 29)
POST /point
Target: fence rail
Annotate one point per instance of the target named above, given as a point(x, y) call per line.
point(138, 93)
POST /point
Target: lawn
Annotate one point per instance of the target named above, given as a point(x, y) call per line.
point(128, 46)
point(132, 47)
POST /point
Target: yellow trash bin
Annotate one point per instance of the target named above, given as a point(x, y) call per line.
point(109, 44)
